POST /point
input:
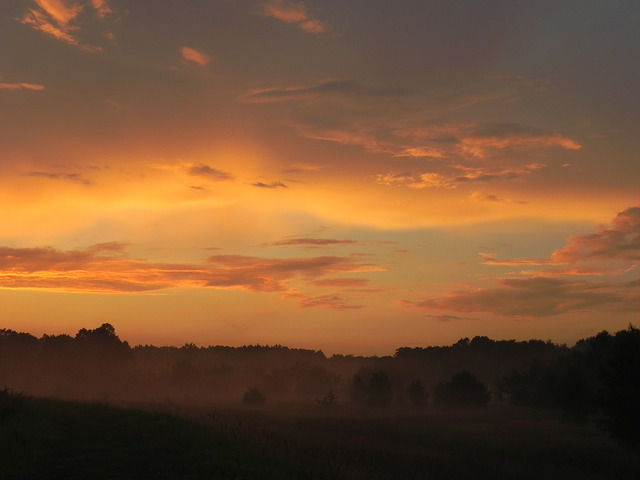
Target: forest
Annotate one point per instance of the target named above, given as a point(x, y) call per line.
point(596, 378)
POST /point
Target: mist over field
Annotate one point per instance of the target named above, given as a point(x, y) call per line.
point(423, 411)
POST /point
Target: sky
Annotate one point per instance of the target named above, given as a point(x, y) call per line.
point(351, 176)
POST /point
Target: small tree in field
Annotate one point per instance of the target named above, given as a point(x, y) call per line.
point(253, 396)
point(464, 389)
point(357, 390)
point(417, 394)
point(379, 389)
point(329, 400)
point(620, 393)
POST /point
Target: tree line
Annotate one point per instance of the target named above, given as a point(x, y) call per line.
point(597, 379)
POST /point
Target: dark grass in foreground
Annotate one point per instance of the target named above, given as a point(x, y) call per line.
point(486, 443)
point(50, 439)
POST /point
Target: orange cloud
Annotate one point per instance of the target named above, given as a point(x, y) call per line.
point(61, 19)
point(480, 146)
point(195, 56)
point(101, 7)
point(325, 88)
point(488, 197)
point(105, 268)
point(547, 293)
point(579, 271)
point(620, 242)
point(450, 176)
point(59, 10)
point(272, 185)
point(342, 282)
point(38, 21)
point(72, 177)
point(260, 274)
point(333, 302)
point(536, 297)
point(20, 86)
point(314, 242)
point(206, 171)
point(294, 12)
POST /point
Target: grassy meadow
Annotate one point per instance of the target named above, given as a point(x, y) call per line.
point(53, 439)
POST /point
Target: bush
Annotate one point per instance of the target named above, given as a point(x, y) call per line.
point(620, 394)
point(379, 389)
point(417, 394)
point(253, 396)
point(10, 403)
point(464, 389)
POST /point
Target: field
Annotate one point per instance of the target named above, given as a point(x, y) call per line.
point(490, 443)
point(41, 438)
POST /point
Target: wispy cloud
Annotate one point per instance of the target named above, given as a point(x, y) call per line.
point(272, 185)
point(101, 8)
point(61, 20)
point(342, 282)
point(334, 302)
point(452, 175)
point(314, 242)
point(500, 136)
point(21, 86)
point(329, 87)
point(520, 81)
point(203, 170)
point(59, 10)
point(195, 56)
point(536, 297)
point(72, 177)
point(261, 274)
point(295, 13)
point(489, 197)
point(553, 291)
point(331, 301)
point(106, 268)
point(620, 242)
point(302, 168)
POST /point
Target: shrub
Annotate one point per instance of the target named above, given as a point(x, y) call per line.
point(253, 396)
point(464, 389)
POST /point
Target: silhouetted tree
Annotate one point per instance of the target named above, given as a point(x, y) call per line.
point(417, 394)
point(10, 403)
point(329, 400)
point(357, 390)
point(464, 389)
point(620, 394)
point(575, 397)
point(379, 389)
point(253, 396)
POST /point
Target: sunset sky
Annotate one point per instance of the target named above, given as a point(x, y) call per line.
point(346, 175)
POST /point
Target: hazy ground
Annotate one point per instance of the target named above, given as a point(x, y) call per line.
point(483, 443)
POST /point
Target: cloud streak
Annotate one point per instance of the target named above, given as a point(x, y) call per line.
point(202, 170)
point(21, 86)
point(272, 185)
point(294, 13)
point(72, 177)
point(325, 88)
point(106, 268)
point(549, 292)
point(536, 298)
point(195, 56)
point(618, 243)
point(313, 242)
point(60, 19)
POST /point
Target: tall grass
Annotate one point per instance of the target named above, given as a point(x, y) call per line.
point(51, 439)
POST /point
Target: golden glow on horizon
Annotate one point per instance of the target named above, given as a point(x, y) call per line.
point(259, 175)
